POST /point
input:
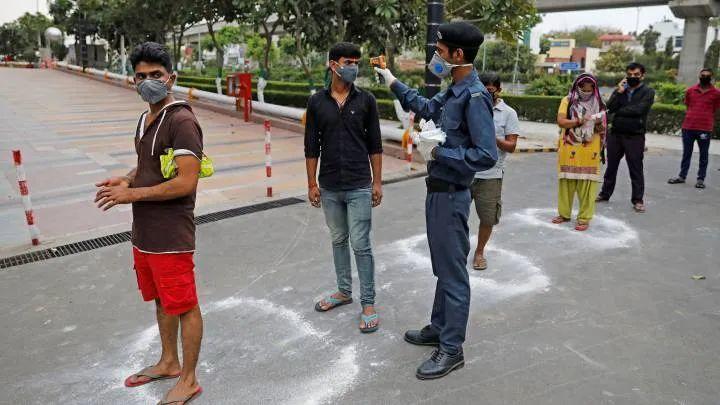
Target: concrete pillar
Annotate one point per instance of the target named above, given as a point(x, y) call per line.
point(696, 14)
point(692, 56)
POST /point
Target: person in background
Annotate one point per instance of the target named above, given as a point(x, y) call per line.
point(630, 104)
point(702, 101)
point(342, 131)
point(486, 189)
point(582, 122)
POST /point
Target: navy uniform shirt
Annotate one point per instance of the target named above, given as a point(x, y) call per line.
point(343, 139)
point(464, 112)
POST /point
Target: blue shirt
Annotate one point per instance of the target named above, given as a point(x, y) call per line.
point(465, 114)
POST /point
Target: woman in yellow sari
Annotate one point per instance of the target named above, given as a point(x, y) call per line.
point(583, 125)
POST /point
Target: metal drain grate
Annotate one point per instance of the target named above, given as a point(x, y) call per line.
point(117, 238)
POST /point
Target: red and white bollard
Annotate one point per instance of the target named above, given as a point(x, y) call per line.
point(25, 195)
point(268, 159)
point(409, 151)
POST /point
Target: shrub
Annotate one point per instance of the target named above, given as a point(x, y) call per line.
point(666, 118)
point(670, 93)
point(535, 108)
point(557, 85)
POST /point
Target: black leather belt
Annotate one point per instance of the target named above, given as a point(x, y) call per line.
point(442, 186)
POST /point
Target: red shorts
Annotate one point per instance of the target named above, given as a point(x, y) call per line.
point(169, 277)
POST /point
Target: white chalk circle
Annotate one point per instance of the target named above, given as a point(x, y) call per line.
point(253, 351)
point(604, 233)
point(512, 273)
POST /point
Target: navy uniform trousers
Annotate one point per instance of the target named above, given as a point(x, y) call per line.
point(446, 216)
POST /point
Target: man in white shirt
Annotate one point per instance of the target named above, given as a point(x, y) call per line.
point(487, 187)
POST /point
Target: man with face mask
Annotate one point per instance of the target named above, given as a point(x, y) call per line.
point(465, 114)
point(486, 189)
point(163, 229)
point(630, 105)
point(342, 131)
point(702, 101)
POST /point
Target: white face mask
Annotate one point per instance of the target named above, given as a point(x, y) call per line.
point(442, 68)
point(585, 95)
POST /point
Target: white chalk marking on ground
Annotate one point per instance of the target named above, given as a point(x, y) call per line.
point(604, 232)
point(534, 277)
point(584, 357)
point(412, 254)
point(287, 289)
point(69, 328)
point(333, 382)
point(271, 308)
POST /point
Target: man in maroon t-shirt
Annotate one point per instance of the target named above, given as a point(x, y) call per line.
point(702, 100)
point(163, 230)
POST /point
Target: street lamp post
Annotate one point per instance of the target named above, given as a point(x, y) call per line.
point(435, 11)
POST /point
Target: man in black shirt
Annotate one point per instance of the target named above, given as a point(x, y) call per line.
point(343, 131)
point(629, 104)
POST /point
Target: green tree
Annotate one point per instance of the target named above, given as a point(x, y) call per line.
point(615, 59)
point(545, 44)
point(256, 49)
point(712, 56)
point(586, 36)
point(13, 42)
point(23, 37)
point(500, 57)
point(649, 39)
point(507, 19)
point(669, 47)
point(308, 31)
point(213, 11)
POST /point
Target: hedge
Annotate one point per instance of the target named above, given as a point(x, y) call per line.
point(663, 118)
point(386, 108)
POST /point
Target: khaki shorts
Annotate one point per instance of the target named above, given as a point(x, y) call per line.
point(488, 203)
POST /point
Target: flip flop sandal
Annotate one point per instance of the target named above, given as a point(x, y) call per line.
point(480, 264)
point(150, 377)
point(334, 303)
point(582, 226)
point(639, 207)
point(185, 400)
point(559, 220)
point(367, 319)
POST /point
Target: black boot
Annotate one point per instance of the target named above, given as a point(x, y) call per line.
point(440, 364)
point(424, 337)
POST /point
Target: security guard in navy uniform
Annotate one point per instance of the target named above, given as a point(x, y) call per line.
point(464, 112)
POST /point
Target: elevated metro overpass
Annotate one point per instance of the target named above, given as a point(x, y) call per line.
point(696, 13)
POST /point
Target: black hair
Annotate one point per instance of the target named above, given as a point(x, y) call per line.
point(491, 78)
point(151, 52)
point(635, 65)
point(344, 49)
point(707, 70)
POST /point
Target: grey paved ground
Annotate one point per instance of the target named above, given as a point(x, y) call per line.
point(610, 316)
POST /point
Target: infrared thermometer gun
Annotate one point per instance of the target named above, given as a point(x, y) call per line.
point(379, 61)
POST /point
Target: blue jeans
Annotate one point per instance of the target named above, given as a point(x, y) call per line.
point(703, 139)
point(348, 215)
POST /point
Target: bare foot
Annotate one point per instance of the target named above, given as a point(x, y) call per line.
point(367, 311)
point(160, 369)
point(181, 391)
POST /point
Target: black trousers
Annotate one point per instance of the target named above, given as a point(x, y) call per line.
point(632, 147)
